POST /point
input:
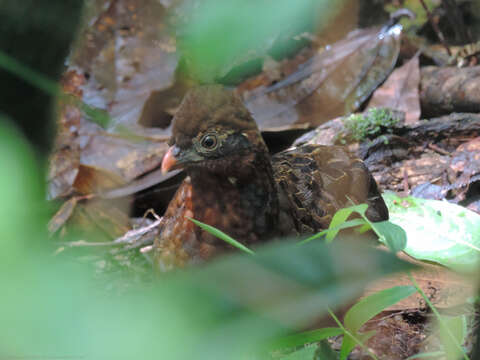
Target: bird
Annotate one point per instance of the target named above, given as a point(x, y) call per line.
point(236, 186)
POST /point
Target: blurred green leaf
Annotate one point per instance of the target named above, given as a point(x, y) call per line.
point(374, 304)
point(216, 35)
point(302, 354)
point(21, 192)
point(25, 73)
point(457, 326)
point(325, 352)
point(437, 231)
point(223, 310)
point(306, 337)
point(366, 309)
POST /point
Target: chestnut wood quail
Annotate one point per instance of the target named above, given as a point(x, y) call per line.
point(235, 185)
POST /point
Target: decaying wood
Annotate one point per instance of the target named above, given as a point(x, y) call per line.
point(425, 152)
point(449, 89)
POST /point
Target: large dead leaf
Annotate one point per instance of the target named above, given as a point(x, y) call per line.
point(400, 91)
point(333, 82)
point(125, 52)
point(89, 159)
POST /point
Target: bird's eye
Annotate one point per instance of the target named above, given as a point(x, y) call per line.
point(209, 142)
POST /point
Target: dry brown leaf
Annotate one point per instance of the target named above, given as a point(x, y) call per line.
point(126, 52)
point(333, 82)
point(102, 218)
point(91, 180)
point(401, 91)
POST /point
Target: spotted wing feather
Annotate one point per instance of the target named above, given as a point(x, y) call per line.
point(315, 181)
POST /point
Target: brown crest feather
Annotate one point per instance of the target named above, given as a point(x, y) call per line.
point(207, 107)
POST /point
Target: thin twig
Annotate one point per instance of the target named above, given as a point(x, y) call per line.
point(88, 243)
point(406, 188)
point(133, 235)
point(436, 28)
point(438, 149)
point(438, 316)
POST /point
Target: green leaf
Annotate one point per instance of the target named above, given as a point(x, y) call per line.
point(437, 231)
point(345, 225)
point(391, 235)
point(221, 235)
point(306, 337)
point(348, 343)
point(368, 307)
point(457, 326)
point(341, 217)
point(303, 354)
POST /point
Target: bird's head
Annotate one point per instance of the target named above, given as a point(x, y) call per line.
point(212, 130)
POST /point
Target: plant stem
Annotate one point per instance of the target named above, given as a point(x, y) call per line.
point(436, 28)
point(438, 316)
point(346, 332)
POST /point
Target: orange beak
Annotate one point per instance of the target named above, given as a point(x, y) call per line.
point(169, 161)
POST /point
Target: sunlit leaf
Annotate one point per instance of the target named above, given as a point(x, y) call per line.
point(437, 231)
